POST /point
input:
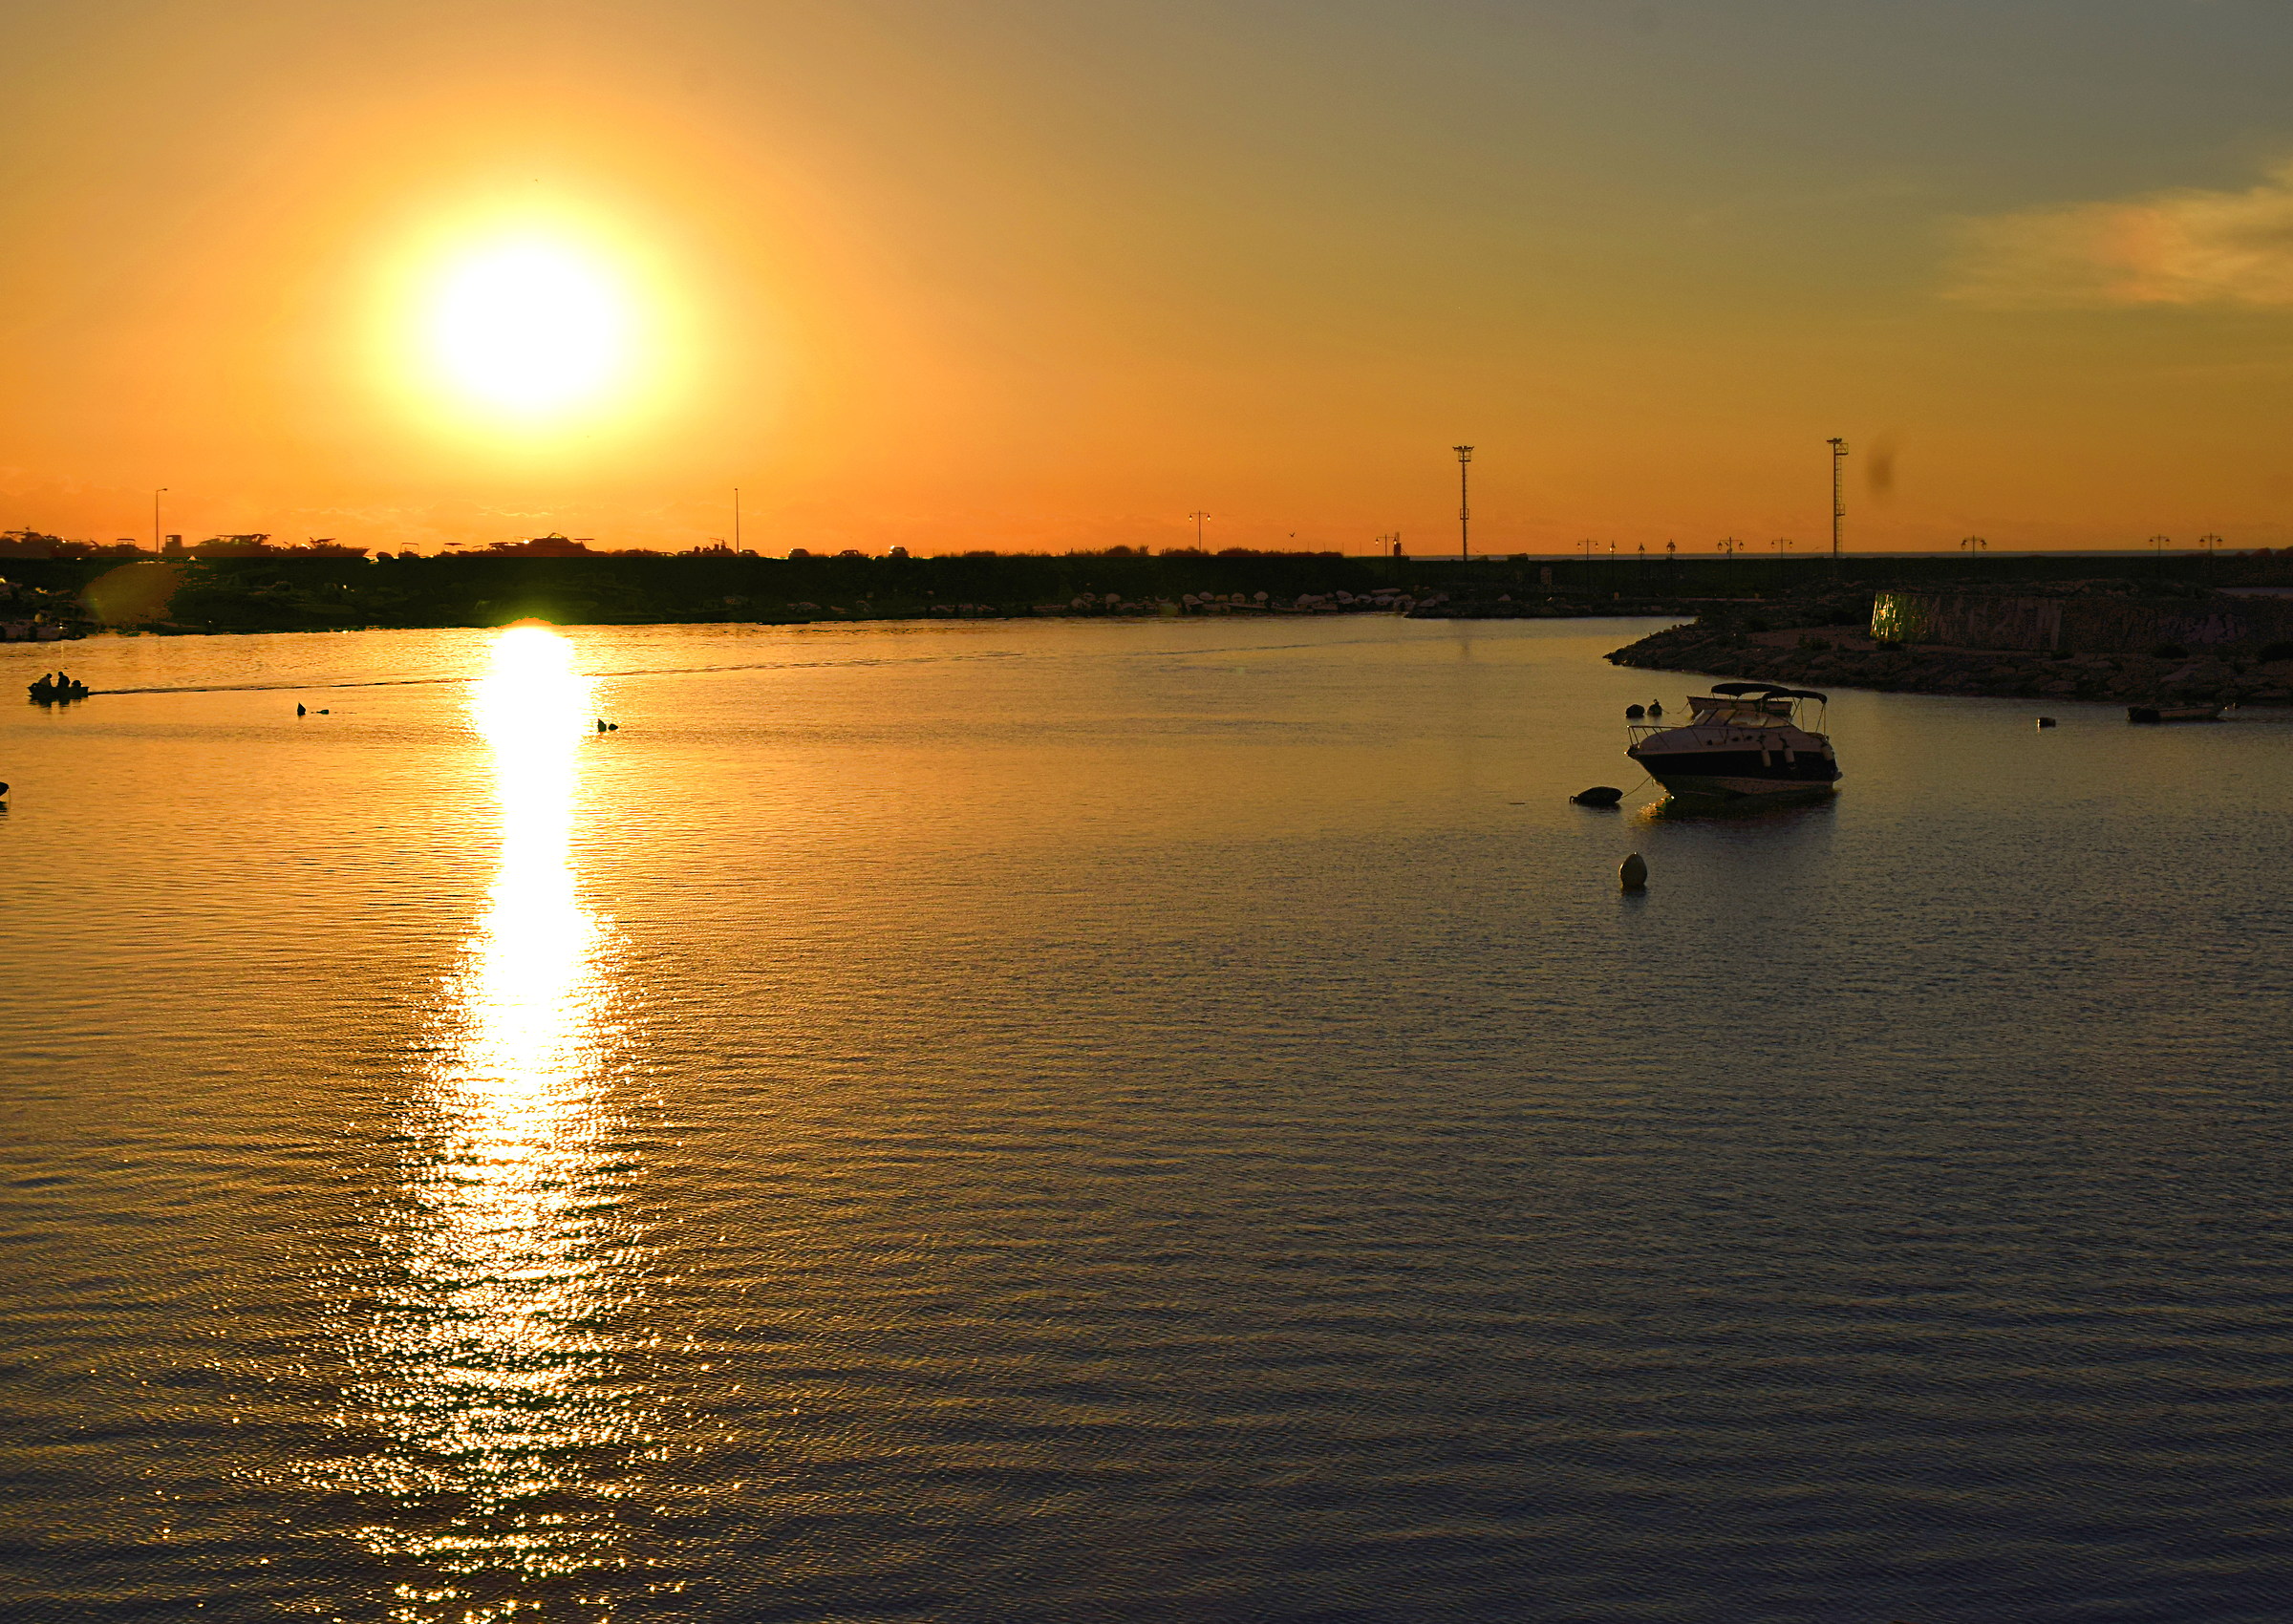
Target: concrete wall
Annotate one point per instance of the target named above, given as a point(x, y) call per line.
point(2082, 625)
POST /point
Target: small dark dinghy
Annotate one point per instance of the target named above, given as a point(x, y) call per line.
point(2172, 712)
point(1599, 795)
point(56, 690)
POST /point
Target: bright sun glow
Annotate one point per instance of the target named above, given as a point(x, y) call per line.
point(530, 329)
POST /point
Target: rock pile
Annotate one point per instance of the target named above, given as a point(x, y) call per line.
point(1816, 659)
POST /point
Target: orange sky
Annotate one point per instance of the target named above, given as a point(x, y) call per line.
point(1047, 276)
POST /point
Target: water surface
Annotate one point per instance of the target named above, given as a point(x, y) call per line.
point(1080, 1122)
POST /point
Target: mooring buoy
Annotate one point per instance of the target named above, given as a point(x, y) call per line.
point(1633, 873)
point(1599, 795)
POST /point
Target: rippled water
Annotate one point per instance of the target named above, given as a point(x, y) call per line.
point(1169, 1122)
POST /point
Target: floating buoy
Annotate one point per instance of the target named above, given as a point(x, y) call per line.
point(300, 712)
point(1599, 795)
point(2046, 722)
point(1656, 709)
point(1633, 873)
point(1634, 713)
point(323, 711)
point(3, 792)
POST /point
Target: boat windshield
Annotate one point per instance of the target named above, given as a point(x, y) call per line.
point(1744, 704)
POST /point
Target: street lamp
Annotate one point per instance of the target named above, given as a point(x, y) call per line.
point(1838, 505)
point(1464, 507)
point(1973, 544)
point(1198, 518)
point(155, 517)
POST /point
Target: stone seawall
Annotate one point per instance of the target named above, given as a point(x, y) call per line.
point(1816, 660)
point(2095, 623)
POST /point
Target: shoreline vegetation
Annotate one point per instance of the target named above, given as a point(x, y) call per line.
point(1797, 620)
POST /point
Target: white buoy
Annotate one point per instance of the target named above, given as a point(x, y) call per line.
point(1633, 873)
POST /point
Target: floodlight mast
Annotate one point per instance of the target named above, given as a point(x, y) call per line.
point(1465, 506)
point(1838, 506)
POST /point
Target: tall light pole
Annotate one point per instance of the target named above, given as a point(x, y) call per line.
point(1464, 507)
point(155, 517)
point(1198, 518)
point(1838, 506)
point(736, 519)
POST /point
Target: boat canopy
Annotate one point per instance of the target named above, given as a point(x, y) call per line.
point(1770, 691)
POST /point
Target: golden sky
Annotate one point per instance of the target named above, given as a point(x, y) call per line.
point(1020, 274)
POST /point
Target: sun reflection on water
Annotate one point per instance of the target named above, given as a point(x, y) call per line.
point(494, 1377)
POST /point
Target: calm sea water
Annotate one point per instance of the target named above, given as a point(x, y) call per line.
point(1150, 1122)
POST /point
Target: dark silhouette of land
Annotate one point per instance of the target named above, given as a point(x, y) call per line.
point(242, 584)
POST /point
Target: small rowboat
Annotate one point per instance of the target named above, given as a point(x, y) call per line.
point(2172, 712)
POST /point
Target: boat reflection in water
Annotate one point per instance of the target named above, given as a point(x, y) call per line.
point(491, 1375)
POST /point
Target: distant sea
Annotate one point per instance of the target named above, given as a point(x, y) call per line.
point(1172, 1121)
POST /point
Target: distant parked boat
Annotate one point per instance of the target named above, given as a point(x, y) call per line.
point(2172, 712)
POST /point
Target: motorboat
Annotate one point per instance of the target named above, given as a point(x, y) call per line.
point(1741, 739)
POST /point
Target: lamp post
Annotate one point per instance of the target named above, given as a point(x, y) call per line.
point(1198, 516)
point(1838, 506)
point(1971, 545)
point(1464, 507)
point(736, 519)
point(155, 517)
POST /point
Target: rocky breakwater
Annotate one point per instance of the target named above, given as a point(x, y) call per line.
point(1750, 647)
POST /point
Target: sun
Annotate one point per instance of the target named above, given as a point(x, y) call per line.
point(530, 329)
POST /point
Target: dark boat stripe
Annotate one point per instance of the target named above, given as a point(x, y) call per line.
point(1735, 764)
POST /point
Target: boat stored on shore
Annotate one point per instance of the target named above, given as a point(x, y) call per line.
point(1741, 739)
